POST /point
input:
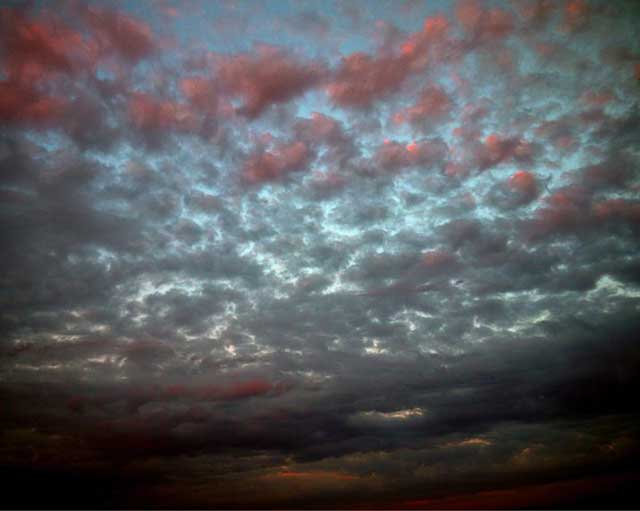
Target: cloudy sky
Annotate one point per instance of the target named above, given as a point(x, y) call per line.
point(321, 254)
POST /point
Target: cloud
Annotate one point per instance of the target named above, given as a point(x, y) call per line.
point(35, 49)
point(266, 77)
point(285, 158)
point(120, 34)
point(393, 156)
point(23, 105)
point(518, 190)
point(361, 79)
point(481, 23)
point(392, 260)
point(433, 105)
point(154, 117)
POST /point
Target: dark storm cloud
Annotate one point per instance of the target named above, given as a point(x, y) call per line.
point(399, 270)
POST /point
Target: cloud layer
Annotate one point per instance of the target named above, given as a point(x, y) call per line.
point(345, 254)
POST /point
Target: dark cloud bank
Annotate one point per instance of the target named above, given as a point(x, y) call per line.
point(255, 269)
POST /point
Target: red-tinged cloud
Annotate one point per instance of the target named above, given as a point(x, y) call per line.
point(321, 129)
point(612, 173)
point(361, 79)
point(483, 25)
point(240, 390)
point(431, 46)
point(33, 50)
point(559, 132)
point(535, 13)
point(497, 149)
point(243, 390)
point(593, 117)
point(120, 34)
point(314, 476)
point(597, 98)
point(432, 264)
point(166, 10)
point(555, 495)
point(429, 42)
point(433, 105)
point(483, 155)
point(177, 391)
point(523, 182)
point(565, 212)
point(200, 92)
point(576, 14)
point(394, 156)
point(437, 259)
point(22, 104)
point(273, 165)
point(467, 132)
point(519, 189)
point(268, 77)
point(620, 210)
point(224, 392)
point(156, 117)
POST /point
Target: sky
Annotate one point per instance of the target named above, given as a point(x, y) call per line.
point(319, 254)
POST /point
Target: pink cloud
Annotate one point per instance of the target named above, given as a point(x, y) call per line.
point(256, 387)
point(320, 128)
point(523, 182)
point(200, 92)
point(243, 390)
point(535, 13)
point(597, 98)
point(497, 149)
point(559, 132)
point(268, 77)
point(156, 117)
point(618, 210)
point(434, 33)
point(433, 104)
point(224, 392)
point(324, 130)
point(612, 173)
point(21, 104)
point(393, 156)
point(576, 14)
point(361, 79)
point(519, 189)
point(36, 49)
point(566, 211)
point(265, 165)
point(120, 34)
point(483, 25)
point(437, 259)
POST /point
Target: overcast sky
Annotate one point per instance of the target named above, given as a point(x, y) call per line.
point(321, 254)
